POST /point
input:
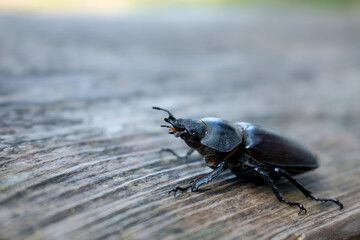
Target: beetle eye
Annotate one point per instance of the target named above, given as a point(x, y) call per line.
point(194, 133)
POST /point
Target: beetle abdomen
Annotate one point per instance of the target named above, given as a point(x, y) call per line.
point(277, 149)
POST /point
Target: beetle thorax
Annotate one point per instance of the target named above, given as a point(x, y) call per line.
point(211, 156)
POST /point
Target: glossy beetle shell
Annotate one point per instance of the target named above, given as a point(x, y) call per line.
point(276, 149)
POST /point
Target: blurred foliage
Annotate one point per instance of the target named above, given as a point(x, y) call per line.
point(115, 6)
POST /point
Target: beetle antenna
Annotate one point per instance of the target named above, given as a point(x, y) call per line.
point(162, 109)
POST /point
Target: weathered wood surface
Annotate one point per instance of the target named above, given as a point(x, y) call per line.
point(79, 141)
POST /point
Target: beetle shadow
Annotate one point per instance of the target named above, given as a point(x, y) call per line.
point(231, 182)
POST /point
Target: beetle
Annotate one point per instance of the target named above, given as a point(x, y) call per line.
point(247, 149)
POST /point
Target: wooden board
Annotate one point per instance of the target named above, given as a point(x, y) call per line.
point(79, 142)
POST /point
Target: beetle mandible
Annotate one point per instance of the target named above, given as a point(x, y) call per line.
point(247, 149)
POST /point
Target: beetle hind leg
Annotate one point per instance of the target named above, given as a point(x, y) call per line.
point(306, 192)
point(270, 182)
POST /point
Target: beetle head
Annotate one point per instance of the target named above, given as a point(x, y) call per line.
point(190, 130)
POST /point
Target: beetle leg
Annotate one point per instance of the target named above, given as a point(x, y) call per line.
point(176, 155)
point(276, 191)
point(306, 192)
point(208, 177)
point(194, 186)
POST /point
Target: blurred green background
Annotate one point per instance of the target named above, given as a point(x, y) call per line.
point(117, 6)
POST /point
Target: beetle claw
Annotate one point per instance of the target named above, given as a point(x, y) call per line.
point(334, 200)
point(177, 188)
point(301, 208)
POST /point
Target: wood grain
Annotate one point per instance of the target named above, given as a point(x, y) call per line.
point(79, 142)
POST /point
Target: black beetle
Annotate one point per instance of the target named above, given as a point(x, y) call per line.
point(248, 150)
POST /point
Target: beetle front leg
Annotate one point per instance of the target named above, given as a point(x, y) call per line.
point(194, 186)
point(175, 154)
point(306, 192)
point(276, 191)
